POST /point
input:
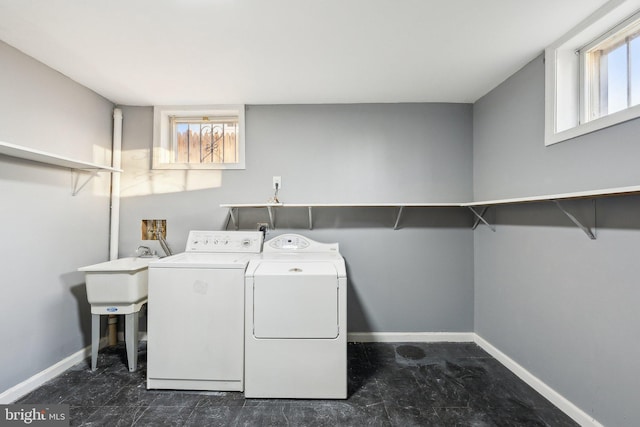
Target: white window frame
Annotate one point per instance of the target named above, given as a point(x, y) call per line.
point(162, 138)
point(564, 88)
point(592, 101)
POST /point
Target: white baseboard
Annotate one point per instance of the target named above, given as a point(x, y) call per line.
point(550, 394)
point(577, 414)
point(32, 383)
point(410, 337)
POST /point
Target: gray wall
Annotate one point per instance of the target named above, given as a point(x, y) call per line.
point(559, 304)
point(45, 232)
point(418, 278)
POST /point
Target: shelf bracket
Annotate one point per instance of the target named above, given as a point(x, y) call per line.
point(395, 226)
point(271, 217)
point(233, 217)
point(573, 219)
point(480, 217)
point(310, 217)
point(77, 187)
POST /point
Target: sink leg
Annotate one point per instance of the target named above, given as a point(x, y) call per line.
point(95, 340)
point(131, 339)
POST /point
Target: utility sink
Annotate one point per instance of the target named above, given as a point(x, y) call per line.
point(117, 287)
point(121, 281)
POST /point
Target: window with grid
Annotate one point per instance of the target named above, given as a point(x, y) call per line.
point(205, 139)
point(198, 138)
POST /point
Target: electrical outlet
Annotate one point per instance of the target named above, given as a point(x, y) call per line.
point(277, 181)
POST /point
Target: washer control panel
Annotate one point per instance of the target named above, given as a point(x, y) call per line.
point(224, 241)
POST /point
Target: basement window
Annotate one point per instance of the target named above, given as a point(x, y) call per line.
point(611, 70)
point(198, 137)
point(592, 74)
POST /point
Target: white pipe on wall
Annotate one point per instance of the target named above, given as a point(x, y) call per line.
point(114, 231)
point(116, 160)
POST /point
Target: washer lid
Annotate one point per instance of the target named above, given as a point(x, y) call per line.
point(203, 260)
point(296, 268)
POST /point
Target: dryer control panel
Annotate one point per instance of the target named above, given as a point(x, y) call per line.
point(297, 243)
point(289, 242)
point(225, 241)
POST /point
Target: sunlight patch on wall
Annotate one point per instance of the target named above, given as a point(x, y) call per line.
point(100, 183)
point(138, 179)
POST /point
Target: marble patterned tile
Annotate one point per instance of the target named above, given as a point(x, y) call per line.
point(79, 414)
point(53, 392)
point(180, 398)
point(220, 398)
point(213, 416)
point(160, 416)
point(463, 417)
point(554, 417)
point(389, 384)
point(96, 392)
point(373, 414)
point(133, 395)
point(113, 416)
point(364, 393)
point(287, 415)
point(412, 416)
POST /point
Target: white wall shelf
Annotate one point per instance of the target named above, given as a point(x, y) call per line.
point(556, 199)
point(31, 154)
point(604, 192)
point(234, 209)
point(478, 208)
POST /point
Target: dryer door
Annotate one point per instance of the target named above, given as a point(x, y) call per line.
point(295, 300)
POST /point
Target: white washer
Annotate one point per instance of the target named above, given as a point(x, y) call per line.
point(296, 321)
point(196, 312)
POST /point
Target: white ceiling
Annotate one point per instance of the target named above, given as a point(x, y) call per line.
point(173, 52)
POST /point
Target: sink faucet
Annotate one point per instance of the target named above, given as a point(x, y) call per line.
point(144, 251)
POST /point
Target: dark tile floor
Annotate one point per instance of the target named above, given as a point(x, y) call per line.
point(399, 384)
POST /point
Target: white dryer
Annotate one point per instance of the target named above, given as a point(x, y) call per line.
point(196, 312)
point(296, 321)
